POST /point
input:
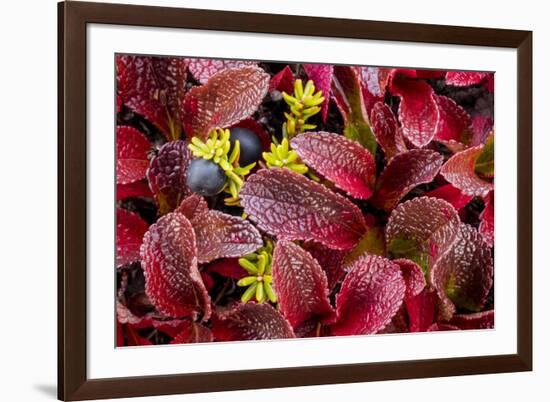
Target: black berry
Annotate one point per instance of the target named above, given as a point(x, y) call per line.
point(250, 145)
point(205, 177)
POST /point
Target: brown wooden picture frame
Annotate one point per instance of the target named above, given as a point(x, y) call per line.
point(73, 383)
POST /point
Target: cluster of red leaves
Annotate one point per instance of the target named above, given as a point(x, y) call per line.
point(395, 233)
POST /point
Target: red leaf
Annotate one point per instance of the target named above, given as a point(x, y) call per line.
point(258, 129)
point(454, 123)
point(483, 320)
point(169, 260)
point(373, 85)
point(371, 295)
point(130, 229)
point(450, 194)
point(386, 130)
point(292, 207)
point(465, 78)
point(203, 69)
point(220, 235)
point(228, 267)
point(422, 230)
point(482, 126)
point(331, 261)
point(418, 111)
point(459, 171)
point(487, 216)
point(464, 275)
point(227, 98)
point(167, 175)
point(133, 338)
point(421, 310)
point(404, 172)
point(439, 326)
point(192, 206)
point(131, 155)
point(349, 165)
point(321, 75)
point(414, 277)
point(193, 332)
point(135, 189)
point(250, 321)
point(282, 81)
point(300, 284)
point(154, 88)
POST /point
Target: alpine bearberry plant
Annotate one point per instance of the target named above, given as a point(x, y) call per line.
point(267, 201)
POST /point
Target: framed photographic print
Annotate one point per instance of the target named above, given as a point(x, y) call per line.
point(253, 200)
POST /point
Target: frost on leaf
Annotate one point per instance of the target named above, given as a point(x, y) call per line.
point(331, 261)
point(482, 320)
point(465, 78)
point(404, 172)
point(346, 89)
point(282, 81)
point(459, 171)
point(131, 155)
point(153, 87)
point(321, 75)
point(290, 206)
point(487, 216)
point(413, 276)
point(193, 332)
point(418, 110)
point(450, 194)
point(221, 235)
point(386, 130)
point(371, 295)
point(454, 122)
point(422, 310)
point(349, 165)
point(422, 230)
point(300, 284)
point(203, 69)
point(227, 98)
point(464, 275)
point(250, 321)
point(135, 189)
point(130, 229)
point(192, 206)
point(169, 260)
point(167, 175)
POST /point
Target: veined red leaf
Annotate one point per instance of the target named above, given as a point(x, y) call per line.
point(250, 321)
point(371, 295)
point(282, 81)
point(465, 78)
point(221, 235)
point(482, 320)
point(228, 97)
point(459, 171)
point(131, 155)
point(167, 175)
point(346, 88)
point(418, 110)
point(387, 130)
point(331, 261)
point(169, 260)
point(454, 122)
point(153, 87)
point(373, 84)
point(301, 285)
point(321, 75)
point(465, 273)
point(193, 332)
point(403, 173)
point(422, 230)
point(412, 274)
point(228, 267)
point(203, 69)
point(450, 194)
point(422, 310)
point(192, 206)
point(290, 206)
point(482, 126)
point(349, 165)
point(487, 216)
point(130, 229)
point(135, 189)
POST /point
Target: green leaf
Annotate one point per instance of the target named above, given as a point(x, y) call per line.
point(372, 242)
point(485, 163)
